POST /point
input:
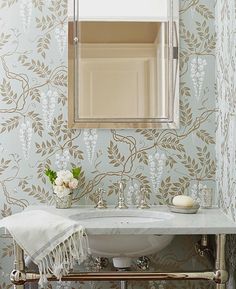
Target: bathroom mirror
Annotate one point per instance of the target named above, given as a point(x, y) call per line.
point(123, 64)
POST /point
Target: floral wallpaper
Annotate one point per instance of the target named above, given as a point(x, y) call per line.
point(226, 106)
point(226, 119)
point(34, 133)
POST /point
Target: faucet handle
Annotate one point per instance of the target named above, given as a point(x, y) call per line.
point(101, 203)
point(143, 200)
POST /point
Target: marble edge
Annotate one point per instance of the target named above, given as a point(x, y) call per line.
point(206, 221)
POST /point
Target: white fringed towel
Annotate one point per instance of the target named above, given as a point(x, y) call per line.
point(53, 242)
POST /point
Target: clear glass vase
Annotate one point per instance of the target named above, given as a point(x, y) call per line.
point(64, 202)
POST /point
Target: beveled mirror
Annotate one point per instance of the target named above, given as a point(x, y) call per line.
point(123, 64)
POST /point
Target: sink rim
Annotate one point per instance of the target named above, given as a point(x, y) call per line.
point(117, 218)
point(102, 214)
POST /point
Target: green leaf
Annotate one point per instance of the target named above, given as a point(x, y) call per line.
point(76, 172)
point(52, 175)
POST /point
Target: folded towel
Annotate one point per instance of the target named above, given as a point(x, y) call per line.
point(53, 242)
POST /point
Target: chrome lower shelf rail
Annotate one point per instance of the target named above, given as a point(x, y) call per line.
point(220, 276)
point(19, 277)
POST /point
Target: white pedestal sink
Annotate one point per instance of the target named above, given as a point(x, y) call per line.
point(124, 245)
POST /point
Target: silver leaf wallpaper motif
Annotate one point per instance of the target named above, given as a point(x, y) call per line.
point(34, 133)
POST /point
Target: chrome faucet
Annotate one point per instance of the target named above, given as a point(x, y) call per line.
point(143, 200)
point(121, 197)
point(101, 203)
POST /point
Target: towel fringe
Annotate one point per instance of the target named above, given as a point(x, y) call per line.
point(62, 258)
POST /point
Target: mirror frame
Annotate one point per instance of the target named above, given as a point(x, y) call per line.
point(171, 122)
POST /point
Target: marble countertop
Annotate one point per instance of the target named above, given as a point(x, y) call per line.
point(206, 221)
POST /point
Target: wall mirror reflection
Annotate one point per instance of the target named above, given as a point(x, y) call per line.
point(123, 63)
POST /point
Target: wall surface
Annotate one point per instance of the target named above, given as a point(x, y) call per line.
point(226, 106)
point(34, 134)
point(226, 119)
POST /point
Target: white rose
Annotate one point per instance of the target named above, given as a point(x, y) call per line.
point(73, 184)
point(61, 191)
point(59, 181)
point(66, 175)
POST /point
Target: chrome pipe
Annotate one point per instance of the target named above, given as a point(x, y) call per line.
point(19, 264)
point(123, 285)
point(203, 249)
point(220, 251)
point(204, 240)
point(220, 265)
point(19, 277)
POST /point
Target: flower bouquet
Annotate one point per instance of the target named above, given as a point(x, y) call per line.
point(64, 182)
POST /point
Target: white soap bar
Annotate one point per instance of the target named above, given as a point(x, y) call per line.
point(183, 201)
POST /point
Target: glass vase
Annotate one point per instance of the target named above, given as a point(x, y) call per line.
point(63, 202)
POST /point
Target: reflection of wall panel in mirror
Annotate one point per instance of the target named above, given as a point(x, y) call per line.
point(122, 73)
point(114, 89)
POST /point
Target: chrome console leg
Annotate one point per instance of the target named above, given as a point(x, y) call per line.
point(19, 263)
point(221, 275)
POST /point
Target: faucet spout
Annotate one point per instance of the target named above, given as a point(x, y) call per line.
point(121, 197)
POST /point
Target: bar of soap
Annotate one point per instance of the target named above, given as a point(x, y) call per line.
point(183, 201)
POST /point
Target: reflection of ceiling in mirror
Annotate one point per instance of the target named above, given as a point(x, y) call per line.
point(120, 9)
point(118, 32)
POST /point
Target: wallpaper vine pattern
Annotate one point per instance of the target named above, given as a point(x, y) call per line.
point(226, 119)
point(34, 133)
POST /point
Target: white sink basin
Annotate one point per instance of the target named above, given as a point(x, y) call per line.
point(125, 245)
